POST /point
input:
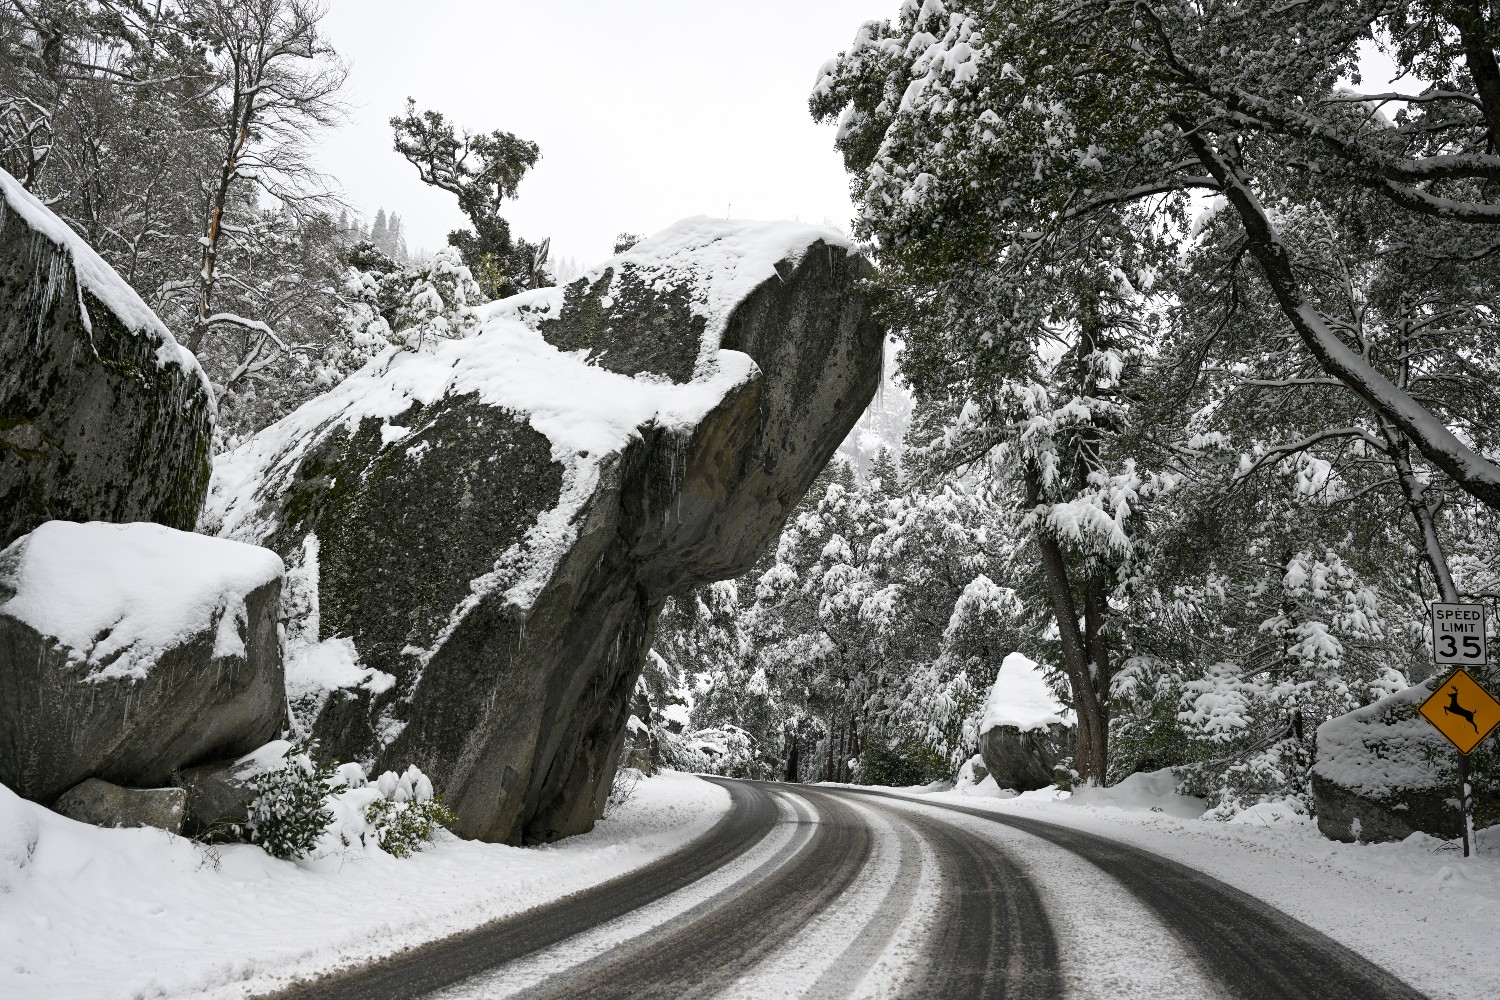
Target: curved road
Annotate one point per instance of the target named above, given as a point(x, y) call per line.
point(837, 892)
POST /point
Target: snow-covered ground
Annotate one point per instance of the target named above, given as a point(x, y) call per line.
point(1419, 908)
point(90, 913)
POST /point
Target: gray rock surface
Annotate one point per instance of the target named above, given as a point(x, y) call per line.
point(1024, 760)
point(104, 804)
point(130, 651)
point(218, 796)
point(102, 415)
point(1383, 773)
point(429, 531)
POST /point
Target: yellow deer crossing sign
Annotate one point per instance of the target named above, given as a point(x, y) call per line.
point(1462, 711)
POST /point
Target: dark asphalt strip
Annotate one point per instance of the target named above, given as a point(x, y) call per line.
point(1254, 950)
point(702, 958)
point(993, 939)
point(433, 966)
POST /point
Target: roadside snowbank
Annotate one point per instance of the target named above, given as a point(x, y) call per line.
point(89, 913)
point(1418, 907)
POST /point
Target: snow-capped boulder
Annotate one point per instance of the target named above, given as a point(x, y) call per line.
point(1025, 731)
point(488, 531)
point(130, 650)
point(103, 416)
point(101, 803)
point(1383, 773)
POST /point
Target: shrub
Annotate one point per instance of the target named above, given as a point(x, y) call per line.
point(289, 812)
point(901, 761)
point(407, 815)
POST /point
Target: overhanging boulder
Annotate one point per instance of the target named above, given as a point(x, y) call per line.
point(130, 650)
point(103, 416)
point(481, 538)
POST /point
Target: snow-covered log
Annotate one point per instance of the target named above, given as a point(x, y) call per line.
point(481, 537)
point(103, 416)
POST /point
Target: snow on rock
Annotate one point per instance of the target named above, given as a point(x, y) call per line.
point(93, 914)
point(96, 277)
point(714, 264)
point(116, 596)
point(128, 651)
point(1021, 698)
point(1383, 772)
point(331, 665)
point(587, 413)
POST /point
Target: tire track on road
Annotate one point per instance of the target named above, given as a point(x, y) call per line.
point(1252, 949)
point(706, 956)
point(432, 967)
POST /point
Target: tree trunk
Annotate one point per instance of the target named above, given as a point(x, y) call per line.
point(828, 769)
point(791, 760)
point(1084, 676)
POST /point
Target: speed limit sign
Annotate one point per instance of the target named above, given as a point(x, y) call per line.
point(1458, 634)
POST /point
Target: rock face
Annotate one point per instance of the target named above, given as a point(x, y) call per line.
point(1383, 773)
point(1024, 759)
point(102, 415)
point(493, 528)
point(130, 650)
point(103, 804)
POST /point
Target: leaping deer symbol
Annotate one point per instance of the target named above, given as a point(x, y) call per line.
point(1454, 708)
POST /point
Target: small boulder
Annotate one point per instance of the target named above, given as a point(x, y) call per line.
point(103, 416)
point(1383, 773)
point(128, 651)
point(103, 804)
point(217, 796)
point(1025, 731)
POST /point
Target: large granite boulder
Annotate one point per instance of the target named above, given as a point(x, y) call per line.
point(1383, 773)
point(1024, 731)
point(103, 417)
point(128, 651)
point(481, 538)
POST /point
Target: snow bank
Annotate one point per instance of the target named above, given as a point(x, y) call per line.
point(716, 261)
point(118, 595)
point(1154, 791)
point(93, 274)
point(1021, 698)
point(92, 914)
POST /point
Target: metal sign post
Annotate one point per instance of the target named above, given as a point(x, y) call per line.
point(1459, 708)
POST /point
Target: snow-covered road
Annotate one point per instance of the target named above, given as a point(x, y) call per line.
point(715, 888)
point(842, 893)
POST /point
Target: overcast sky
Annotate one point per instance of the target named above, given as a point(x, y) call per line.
point(646, 110)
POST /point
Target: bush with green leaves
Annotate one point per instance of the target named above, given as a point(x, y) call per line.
point(901, 761)
point(289, 812)
point(407, 815)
